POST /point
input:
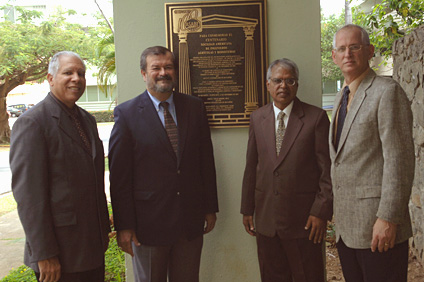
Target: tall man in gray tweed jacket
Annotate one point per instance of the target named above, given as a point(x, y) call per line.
point(372, 154)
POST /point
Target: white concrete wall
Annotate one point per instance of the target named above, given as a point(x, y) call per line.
point(229, 253)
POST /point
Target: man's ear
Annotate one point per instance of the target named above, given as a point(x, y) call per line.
point(371, 50)
point(143, 73)
point(50, 79)
point(333, 55)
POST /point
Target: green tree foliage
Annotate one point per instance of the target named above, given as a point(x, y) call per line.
point(27, 46)
point(329, 26)
point(390, 20)
point(105, 53)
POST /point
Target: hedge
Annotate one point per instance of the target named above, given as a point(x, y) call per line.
point(102, 116)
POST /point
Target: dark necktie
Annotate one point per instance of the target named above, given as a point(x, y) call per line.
point(280, 132)
point(342, 115)
point(81, 132)
point(170, 127)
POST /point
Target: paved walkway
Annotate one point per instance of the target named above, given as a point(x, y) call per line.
point(12, 241)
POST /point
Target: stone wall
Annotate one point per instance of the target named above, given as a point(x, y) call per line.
point(408, 59)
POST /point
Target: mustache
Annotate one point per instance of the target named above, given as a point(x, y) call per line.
point(164, 77)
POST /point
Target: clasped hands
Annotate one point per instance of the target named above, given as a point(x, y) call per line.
point(317, 226)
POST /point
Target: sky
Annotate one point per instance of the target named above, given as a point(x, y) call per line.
point(331, 7)
point(82, 7)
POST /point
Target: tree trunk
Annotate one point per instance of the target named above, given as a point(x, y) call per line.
point(348, 13)
point(4, 123)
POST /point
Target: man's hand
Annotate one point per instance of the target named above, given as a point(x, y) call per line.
point(210, 219)
point(319, 227)
point(248, 224)
point(125, 238)
point(383, 235)
point(49, 270)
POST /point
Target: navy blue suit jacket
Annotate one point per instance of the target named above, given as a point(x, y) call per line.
point(154, 192)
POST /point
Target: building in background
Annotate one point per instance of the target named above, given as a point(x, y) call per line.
point(93, 98)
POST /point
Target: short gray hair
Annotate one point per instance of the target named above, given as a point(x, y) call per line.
point(284, 63)
point(364, 33)
point(55, 62)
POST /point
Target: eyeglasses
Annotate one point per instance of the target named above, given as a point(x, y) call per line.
point(352, 48)
point(287, 81)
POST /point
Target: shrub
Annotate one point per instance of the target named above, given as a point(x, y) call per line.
point(22, 273)
point(102, 116)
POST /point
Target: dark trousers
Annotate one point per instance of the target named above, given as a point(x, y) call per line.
point(95, 275)
point(362, 265)
point(179, 262)
point(288, 260)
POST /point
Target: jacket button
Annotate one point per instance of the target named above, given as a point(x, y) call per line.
point(178, 171)
point(276, 173)
point(178, 193)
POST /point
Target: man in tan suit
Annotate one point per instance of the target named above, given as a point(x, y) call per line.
point(372, 156)
point(286, 182)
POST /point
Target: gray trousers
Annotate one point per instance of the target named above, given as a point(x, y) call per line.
point(179, 262)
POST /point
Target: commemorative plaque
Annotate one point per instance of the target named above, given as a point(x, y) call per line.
point(221, 50)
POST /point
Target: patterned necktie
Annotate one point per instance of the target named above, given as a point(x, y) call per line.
point(170, 127)
point(342, 115)
point(81, 132)
point(280, 131)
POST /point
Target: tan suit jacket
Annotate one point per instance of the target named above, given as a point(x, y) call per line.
point(373, 170)
point(283, 191)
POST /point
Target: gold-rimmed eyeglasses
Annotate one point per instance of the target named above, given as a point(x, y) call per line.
point(352, 48)
point(287, 81)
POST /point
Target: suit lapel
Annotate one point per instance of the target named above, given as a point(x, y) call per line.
point(355, 105)
point(89, 132)
point(336, 106)
point(64, 122)
point(268, 127)
point(183, 121)
point(294, 126)
point(147, 112)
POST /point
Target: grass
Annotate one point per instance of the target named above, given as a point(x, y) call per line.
point(7, 204)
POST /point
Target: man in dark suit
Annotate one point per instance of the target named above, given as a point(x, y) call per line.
point(57, 164)
point(163, 185)
point(286, 182)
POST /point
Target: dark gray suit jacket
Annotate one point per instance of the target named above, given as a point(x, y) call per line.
point(59, 188)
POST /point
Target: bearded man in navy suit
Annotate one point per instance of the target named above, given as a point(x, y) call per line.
point(162, 174)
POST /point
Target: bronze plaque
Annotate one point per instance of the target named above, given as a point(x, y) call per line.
point(221, 50)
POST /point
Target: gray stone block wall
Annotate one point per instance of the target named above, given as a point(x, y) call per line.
point(408, 70)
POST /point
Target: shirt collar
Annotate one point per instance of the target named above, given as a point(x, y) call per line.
point(287, 110)
point(354, 85)
point(156, 102)
point(70, 111)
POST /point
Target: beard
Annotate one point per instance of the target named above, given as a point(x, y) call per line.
point(168, 86)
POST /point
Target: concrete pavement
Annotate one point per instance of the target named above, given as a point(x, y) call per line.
point(12, 241)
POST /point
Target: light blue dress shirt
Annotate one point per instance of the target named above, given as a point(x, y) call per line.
point(159, 110)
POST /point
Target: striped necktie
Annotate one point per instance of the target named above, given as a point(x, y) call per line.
point(170, 127)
